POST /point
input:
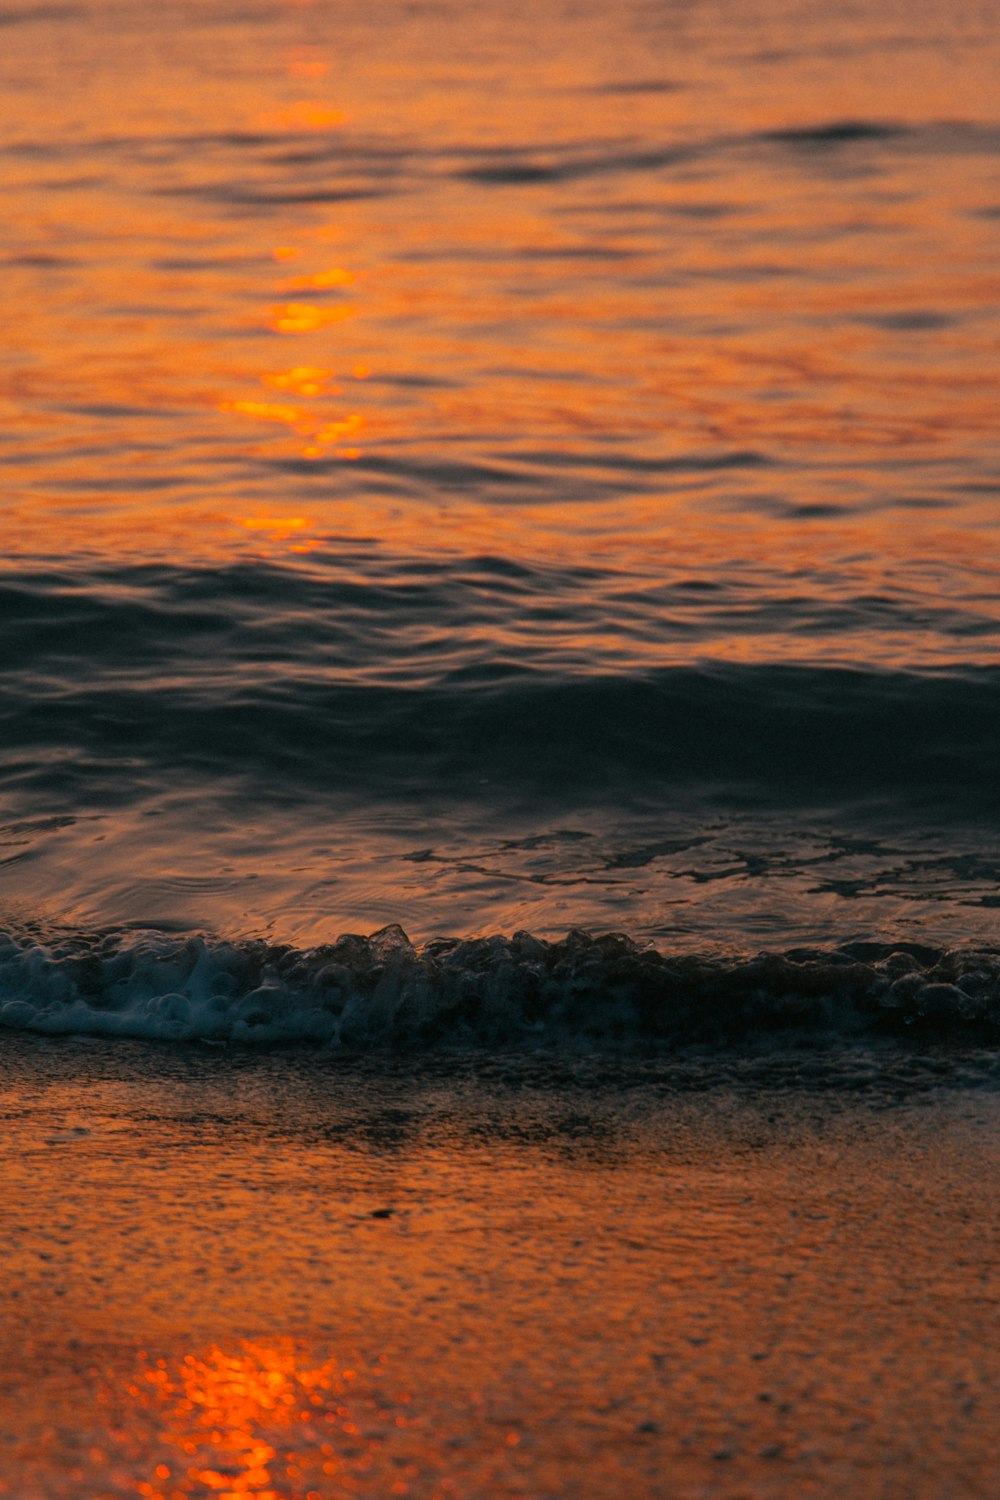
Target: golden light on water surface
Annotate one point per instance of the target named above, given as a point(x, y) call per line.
point(306, 114)
point(563, 339)
point(254, 1422)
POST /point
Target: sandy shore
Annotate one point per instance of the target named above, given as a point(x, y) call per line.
point(286, 1278)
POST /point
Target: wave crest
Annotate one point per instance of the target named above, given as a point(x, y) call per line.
point(583, 990)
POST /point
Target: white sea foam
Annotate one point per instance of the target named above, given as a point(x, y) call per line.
point(581, 991)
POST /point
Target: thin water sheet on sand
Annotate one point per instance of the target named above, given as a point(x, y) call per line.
point(287, 1277)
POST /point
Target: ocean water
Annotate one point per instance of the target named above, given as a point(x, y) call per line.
point(480, 478)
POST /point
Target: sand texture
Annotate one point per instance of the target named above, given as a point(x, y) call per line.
point(284, 1277)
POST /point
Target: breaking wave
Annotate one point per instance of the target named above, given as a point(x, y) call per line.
point(582, 991)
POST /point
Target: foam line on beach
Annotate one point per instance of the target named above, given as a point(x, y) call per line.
point(581, 991)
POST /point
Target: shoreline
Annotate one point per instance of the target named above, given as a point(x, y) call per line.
point(582, 991)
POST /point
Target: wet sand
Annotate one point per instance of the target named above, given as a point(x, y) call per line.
point(284, 1277)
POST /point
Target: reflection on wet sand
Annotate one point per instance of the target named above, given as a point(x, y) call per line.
point(257, 1420)
point(685, 1282)
point(252, 1422)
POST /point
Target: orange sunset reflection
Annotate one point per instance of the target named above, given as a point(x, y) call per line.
point(305, 115)
point(569, 332)
point(257, 1421)
point(308, 317)
point(303, 380)
point(317, 430)
point(322, 280)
